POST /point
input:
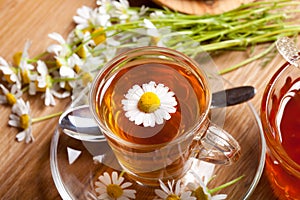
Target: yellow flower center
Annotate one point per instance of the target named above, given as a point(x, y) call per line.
point(24, 121)
point(149, 102)
point(98, 36)
point(11, 99)
point(25, 76)
point(114, 191)
point(7, 78)
point(199, 194)
point(58, 62)
point(81, 52)
point(17, 58)
point(173, 197)
point(77, 69)
point(48, 84)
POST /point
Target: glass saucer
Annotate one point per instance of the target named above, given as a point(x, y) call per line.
point(76, 164)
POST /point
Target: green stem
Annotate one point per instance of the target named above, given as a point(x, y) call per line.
point(55, 80)
point(247, 61)
point(39, 119)
point(25, 89)
point(225, 185)
point(38, 57)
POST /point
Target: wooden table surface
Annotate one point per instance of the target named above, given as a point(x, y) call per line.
point(24, 168)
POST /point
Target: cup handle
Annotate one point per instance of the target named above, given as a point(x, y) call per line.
point(217, 146)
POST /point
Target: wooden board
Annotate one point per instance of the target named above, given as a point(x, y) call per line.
point(202, 6)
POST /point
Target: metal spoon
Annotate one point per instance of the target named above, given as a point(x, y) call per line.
point(79, 123)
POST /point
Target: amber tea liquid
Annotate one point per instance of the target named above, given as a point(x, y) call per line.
point(285, 116)
point(148, 153)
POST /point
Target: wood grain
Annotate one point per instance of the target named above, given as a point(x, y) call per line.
point(24, 169)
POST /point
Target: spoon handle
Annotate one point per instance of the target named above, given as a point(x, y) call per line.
point(232, 96)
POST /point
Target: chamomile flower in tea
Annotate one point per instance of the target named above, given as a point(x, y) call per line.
point(150, 104)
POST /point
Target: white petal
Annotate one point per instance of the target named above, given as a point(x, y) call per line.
point(21, 136)
point(139, 118)
point(60, 95)
point(177, 187)
point(54, 48)
point(114, 177)
point(126, 185)
point(150, 87)
point(130, 193)
point(219, 197)
point(49, 99)
point(149, 120)
point(57, 37)
point(148, 24)
point(164, 187)
point(66, 72)
point(14, 123)
point(105, 178)
point(161, 193)
point(42, 68)
point(168, 108)
point(32, 88)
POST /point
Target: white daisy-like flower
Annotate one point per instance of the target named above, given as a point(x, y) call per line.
point(200, 190)
point(169, 193)
point(9, 74)
point(65, 58)
point(44, 84)
point(114, 187)
point(150, 104)
point(158, 36)
point(21, 118)
point(88, 18)
point(25, 72)
point(10, 97)
point(121, 10)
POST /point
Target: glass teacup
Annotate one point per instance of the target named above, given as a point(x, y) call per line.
point(280, 119)
point(153, 106)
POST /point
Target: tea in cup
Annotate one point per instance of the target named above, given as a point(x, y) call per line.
point(153, 104)
point(280, 118)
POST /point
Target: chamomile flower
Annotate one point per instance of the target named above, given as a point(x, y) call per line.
point(169, 193)
point(113, 187)
point(88, 18)
point(158, 36)
point(66, 59)
point(9, 74)
point(44, 84)
point(150, 104)
point(200, 190)
point(21, 118)
point(21, 60)
point(10, 97)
